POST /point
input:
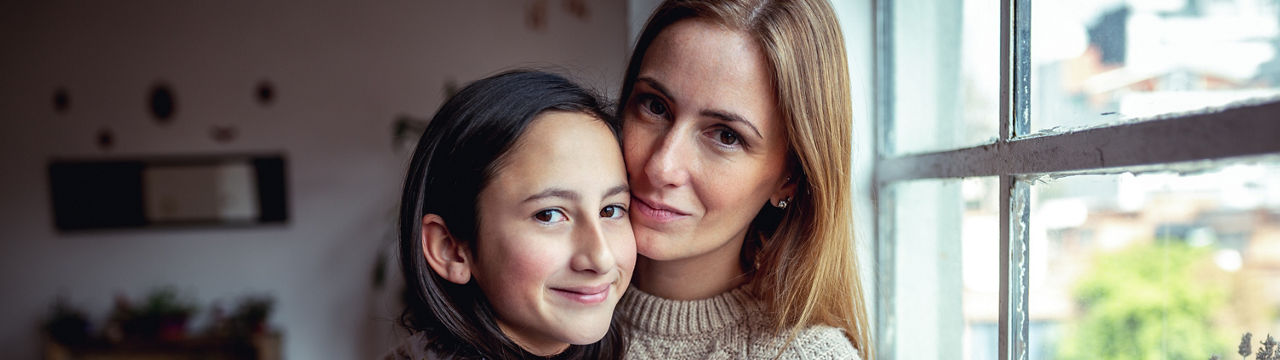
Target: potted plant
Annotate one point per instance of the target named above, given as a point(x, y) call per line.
point(67, 325)
point(250, 315)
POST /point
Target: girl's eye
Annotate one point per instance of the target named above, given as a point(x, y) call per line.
point(652, 105)
point(727, 137)
point(549, 216)
point(613, 212)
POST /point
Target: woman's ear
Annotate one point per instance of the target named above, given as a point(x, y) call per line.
point(448, 257)
point(786, 191)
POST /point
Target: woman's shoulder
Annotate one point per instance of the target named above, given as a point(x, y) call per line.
point(820, 342)
point(811, 342)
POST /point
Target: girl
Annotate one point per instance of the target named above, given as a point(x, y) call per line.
point(736, 129)
point(514, 236)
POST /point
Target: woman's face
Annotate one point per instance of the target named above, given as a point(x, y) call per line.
point(704, 142)
point(555, 249)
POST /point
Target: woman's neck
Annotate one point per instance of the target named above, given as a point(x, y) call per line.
point(693, 278)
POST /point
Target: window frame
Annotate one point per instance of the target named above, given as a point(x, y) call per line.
point(1018, 157)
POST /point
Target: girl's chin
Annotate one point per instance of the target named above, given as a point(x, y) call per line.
point(586, 338)
point(584, 329)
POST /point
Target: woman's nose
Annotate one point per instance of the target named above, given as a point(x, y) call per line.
point(668, 164)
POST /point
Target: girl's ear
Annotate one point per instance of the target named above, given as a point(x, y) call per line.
point(448, 257)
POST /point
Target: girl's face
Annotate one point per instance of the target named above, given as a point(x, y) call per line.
point(555, 249)
point(704, 142)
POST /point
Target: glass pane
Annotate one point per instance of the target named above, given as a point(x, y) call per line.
point(1157, 265)
point(947, 281)
point(1100, 62)
point(946, 72)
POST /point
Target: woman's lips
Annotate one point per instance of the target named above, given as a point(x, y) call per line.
point(656, 211)
point(589, 295)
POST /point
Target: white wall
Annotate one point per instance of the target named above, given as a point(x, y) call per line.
point(343, 71)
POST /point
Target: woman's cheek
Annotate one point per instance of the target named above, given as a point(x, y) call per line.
point(635, 145)
point(624, 249)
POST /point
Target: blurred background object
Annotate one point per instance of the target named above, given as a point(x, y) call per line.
point(332, 86)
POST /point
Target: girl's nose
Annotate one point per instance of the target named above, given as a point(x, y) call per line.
point(592, 252)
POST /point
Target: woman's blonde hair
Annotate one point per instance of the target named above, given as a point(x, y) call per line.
point(805, 269)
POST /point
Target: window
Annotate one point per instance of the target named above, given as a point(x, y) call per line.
point(1076, 179)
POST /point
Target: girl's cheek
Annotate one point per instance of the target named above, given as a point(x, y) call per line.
point(533, 261)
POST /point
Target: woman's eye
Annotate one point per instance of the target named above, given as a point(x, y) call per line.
point(549, 216)
point(727, 137)
point(613, 212)
point(653, 106)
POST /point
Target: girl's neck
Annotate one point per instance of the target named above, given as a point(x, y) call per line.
point(693, 278)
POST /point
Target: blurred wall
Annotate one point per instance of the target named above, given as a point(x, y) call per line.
point(342, 70)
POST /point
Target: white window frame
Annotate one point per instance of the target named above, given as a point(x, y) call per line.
point(1019, 156)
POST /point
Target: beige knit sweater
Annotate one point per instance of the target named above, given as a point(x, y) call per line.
point(731, 325)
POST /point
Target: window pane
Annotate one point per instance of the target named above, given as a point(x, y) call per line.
point(1155, 266)
point(1100, 62)
point(946, 72)
point(947, 281)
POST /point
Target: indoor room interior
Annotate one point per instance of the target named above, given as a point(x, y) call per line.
point(1060, 181)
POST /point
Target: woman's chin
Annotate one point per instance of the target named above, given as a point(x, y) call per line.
point(658, 246)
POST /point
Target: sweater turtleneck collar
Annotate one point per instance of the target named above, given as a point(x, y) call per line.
point(657, 315)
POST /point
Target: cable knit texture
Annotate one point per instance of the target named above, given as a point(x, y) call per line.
point(731, 325)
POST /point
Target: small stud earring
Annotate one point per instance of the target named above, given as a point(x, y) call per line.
point(782, 204)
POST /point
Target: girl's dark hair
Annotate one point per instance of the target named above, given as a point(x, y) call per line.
point(457, 156)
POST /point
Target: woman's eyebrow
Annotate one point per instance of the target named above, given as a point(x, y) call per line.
point(653, 83)
point(727, 116)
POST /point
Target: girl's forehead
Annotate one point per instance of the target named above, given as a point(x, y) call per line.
point(564, 150)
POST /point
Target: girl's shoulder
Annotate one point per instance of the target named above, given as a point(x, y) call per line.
point(416, 347)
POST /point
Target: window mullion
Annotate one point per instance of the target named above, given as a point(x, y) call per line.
point(886, 279)
point(1015, 213)
point(883, 95)
point(1015, 110)
point(882, 194)
point(1021, 82)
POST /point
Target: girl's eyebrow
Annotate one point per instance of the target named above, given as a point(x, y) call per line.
point(616, 190)
point(573, 195)
point(555, 192)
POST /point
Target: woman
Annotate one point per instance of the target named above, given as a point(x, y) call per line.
point(736, 133)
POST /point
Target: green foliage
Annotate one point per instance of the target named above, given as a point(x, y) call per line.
point(166, 302)
point(1152, 301)
point(250, 316)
